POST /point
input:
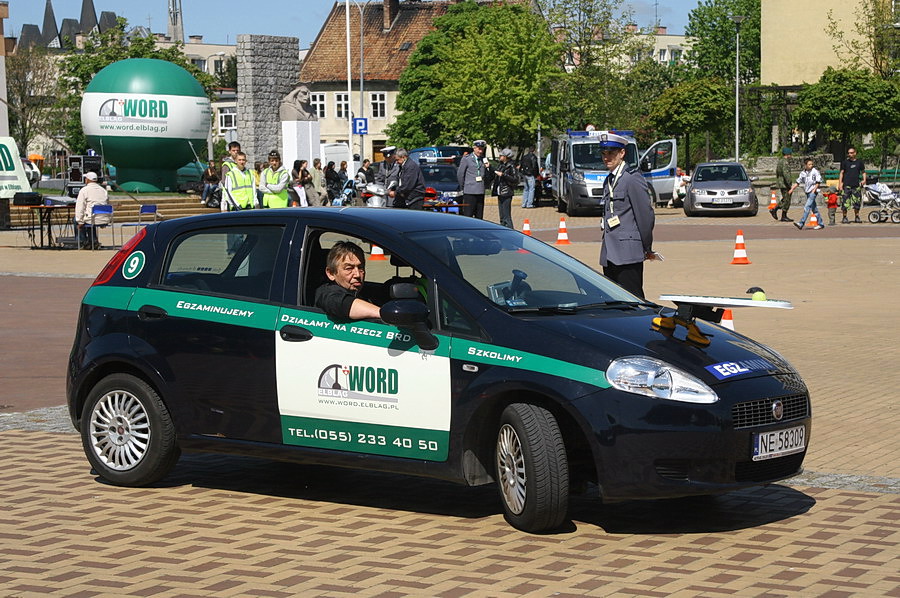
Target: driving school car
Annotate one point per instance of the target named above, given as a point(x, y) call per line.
point(497, 359)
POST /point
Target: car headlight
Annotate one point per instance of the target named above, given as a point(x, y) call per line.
point(578, 176)
point(657, 379)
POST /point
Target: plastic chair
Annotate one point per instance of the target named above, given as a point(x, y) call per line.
point(146, 210)
point(91, 228)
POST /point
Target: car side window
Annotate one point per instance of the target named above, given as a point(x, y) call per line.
point(236, 261)
point(454, 320)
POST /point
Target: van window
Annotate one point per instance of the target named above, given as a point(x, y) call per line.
point(236, 261)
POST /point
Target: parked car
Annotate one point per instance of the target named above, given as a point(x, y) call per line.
point(441, 182)
point(499, 359)
point(440, 151)
point(720, 188)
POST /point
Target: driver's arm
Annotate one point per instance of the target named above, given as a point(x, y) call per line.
point(361, 309)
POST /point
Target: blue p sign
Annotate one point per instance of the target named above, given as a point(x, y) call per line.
point(360, 126)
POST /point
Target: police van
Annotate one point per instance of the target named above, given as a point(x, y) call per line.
point(579, 171)
point(496, 359)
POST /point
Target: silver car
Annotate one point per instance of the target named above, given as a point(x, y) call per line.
point(720, 188)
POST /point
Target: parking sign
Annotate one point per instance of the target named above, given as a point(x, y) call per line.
point(360, 126)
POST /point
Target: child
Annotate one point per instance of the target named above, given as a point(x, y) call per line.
point(831, 198)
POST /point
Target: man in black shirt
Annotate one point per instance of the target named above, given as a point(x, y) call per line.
point(853, 171)
point(346, 296)
point(410, 192)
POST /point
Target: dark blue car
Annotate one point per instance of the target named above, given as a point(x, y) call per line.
point(499, 360)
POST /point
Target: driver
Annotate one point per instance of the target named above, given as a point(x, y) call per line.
point(346, 296)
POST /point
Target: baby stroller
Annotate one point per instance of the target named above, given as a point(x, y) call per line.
point(888, 201)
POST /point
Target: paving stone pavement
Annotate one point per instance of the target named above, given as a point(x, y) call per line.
point(233, 526)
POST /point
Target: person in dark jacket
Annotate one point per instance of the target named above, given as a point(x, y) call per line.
point(332, 181)
point(410, 191)
point(628, 218)
point(529, 168)
point(507, 179)
point(475, 175)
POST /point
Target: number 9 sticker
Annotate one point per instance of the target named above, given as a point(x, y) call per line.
point(133, 265)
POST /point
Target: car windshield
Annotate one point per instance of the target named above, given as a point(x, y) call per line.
point(439, 174)
point(724, 172)
point(588, 156)
point(519, 273)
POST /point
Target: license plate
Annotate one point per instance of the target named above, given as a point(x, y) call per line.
point(779, 443)
point(722, 200)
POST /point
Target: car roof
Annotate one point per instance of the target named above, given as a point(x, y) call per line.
point(398, 221)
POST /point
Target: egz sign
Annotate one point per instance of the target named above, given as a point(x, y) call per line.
point(12, 174)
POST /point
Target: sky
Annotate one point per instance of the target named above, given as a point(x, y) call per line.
point(220, 21)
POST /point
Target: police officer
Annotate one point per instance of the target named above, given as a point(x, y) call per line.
point(410, 192)
point(388, 171)
point(474, 175)
point(240, 186)
point(628, 218)
point(273, 182)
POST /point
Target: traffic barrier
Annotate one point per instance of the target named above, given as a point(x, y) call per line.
point(740, 251)
point(377, 254)
point(727, 319)
point(562, 237)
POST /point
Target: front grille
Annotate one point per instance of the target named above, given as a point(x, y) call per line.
point(759, 413)
point(770, 469)
point(673, 469)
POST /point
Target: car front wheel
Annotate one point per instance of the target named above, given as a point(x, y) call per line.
point(532, 468)
point(127, 433)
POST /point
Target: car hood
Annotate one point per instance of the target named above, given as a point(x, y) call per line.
point(604, 337)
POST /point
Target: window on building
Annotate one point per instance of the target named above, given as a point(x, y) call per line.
point(342, 105)
point(227, 120)
point(378, 103)
point(317, 101)
point(662, 55)
point(676, 56)
point(200, 63)
point(218, 65)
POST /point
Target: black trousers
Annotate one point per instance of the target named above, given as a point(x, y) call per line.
point(628, 276)
point(473, 205)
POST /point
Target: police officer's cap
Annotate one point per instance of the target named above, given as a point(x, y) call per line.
point(480, 143)
point(611, 140)
point(389, 150)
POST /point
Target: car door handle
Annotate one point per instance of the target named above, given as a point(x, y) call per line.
point(151, 312)
point(294, 334)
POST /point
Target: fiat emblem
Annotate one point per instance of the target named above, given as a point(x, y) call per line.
point(777, 410)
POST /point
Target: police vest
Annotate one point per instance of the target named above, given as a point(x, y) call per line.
point(274, 200)
point(242, 189)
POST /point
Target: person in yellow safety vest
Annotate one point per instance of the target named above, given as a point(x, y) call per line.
point(229, 162)
point(273, 182)
point(240, 189)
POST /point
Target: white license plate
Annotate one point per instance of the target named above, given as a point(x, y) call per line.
point(722, 200)
point(779, 443)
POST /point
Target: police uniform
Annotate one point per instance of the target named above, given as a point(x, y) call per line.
point(628, 221)
point(474, 175)
point(388, 172)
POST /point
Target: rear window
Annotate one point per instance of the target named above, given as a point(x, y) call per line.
point(237, 261)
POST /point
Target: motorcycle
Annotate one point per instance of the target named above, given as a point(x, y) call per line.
point(376, 196)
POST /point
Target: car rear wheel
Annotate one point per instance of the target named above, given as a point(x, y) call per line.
point(127, 433)
point(532, 468)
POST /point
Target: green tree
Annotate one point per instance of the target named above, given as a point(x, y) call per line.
point(100, 50)
point(30, 81)
point(487, 71)
point(872, 42)
point(693, 107)
point(227, 77)
point(714, 33)
point(848, 101)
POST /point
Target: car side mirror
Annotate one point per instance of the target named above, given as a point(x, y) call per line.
point(410, 315)
point(645, 165)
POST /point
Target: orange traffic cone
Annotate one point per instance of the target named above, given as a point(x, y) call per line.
point(377, 254)
point(526, 228)
point(773, 203)
point(727, 320)
point(562, 237)
point(740, 252)
point(813, 221)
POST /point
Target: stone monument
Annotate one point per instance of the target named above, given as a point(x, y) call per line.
point(299, 127)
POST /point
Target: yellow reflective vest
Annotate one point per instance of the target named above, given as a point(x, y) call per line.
point(240, 184)
point(274, 179)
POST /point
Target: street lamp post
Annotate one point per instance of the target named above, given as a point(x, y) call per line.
point(737, 19)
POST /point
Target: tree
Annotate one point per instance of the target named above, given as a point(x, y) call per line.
point(30, 81)
point(848, 101)
point(714, 33)
point(227, 77)
point(100, 50)
point(693, 107)
point(873, 43)
point(487, 71)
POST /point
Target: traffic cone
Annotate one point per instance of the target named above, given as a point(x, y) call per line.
point(377, 254)
point(727, 320)
point(562, 237)
point(773, 203)
point(740, 252)
point(526, 228)
point(813, 221)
